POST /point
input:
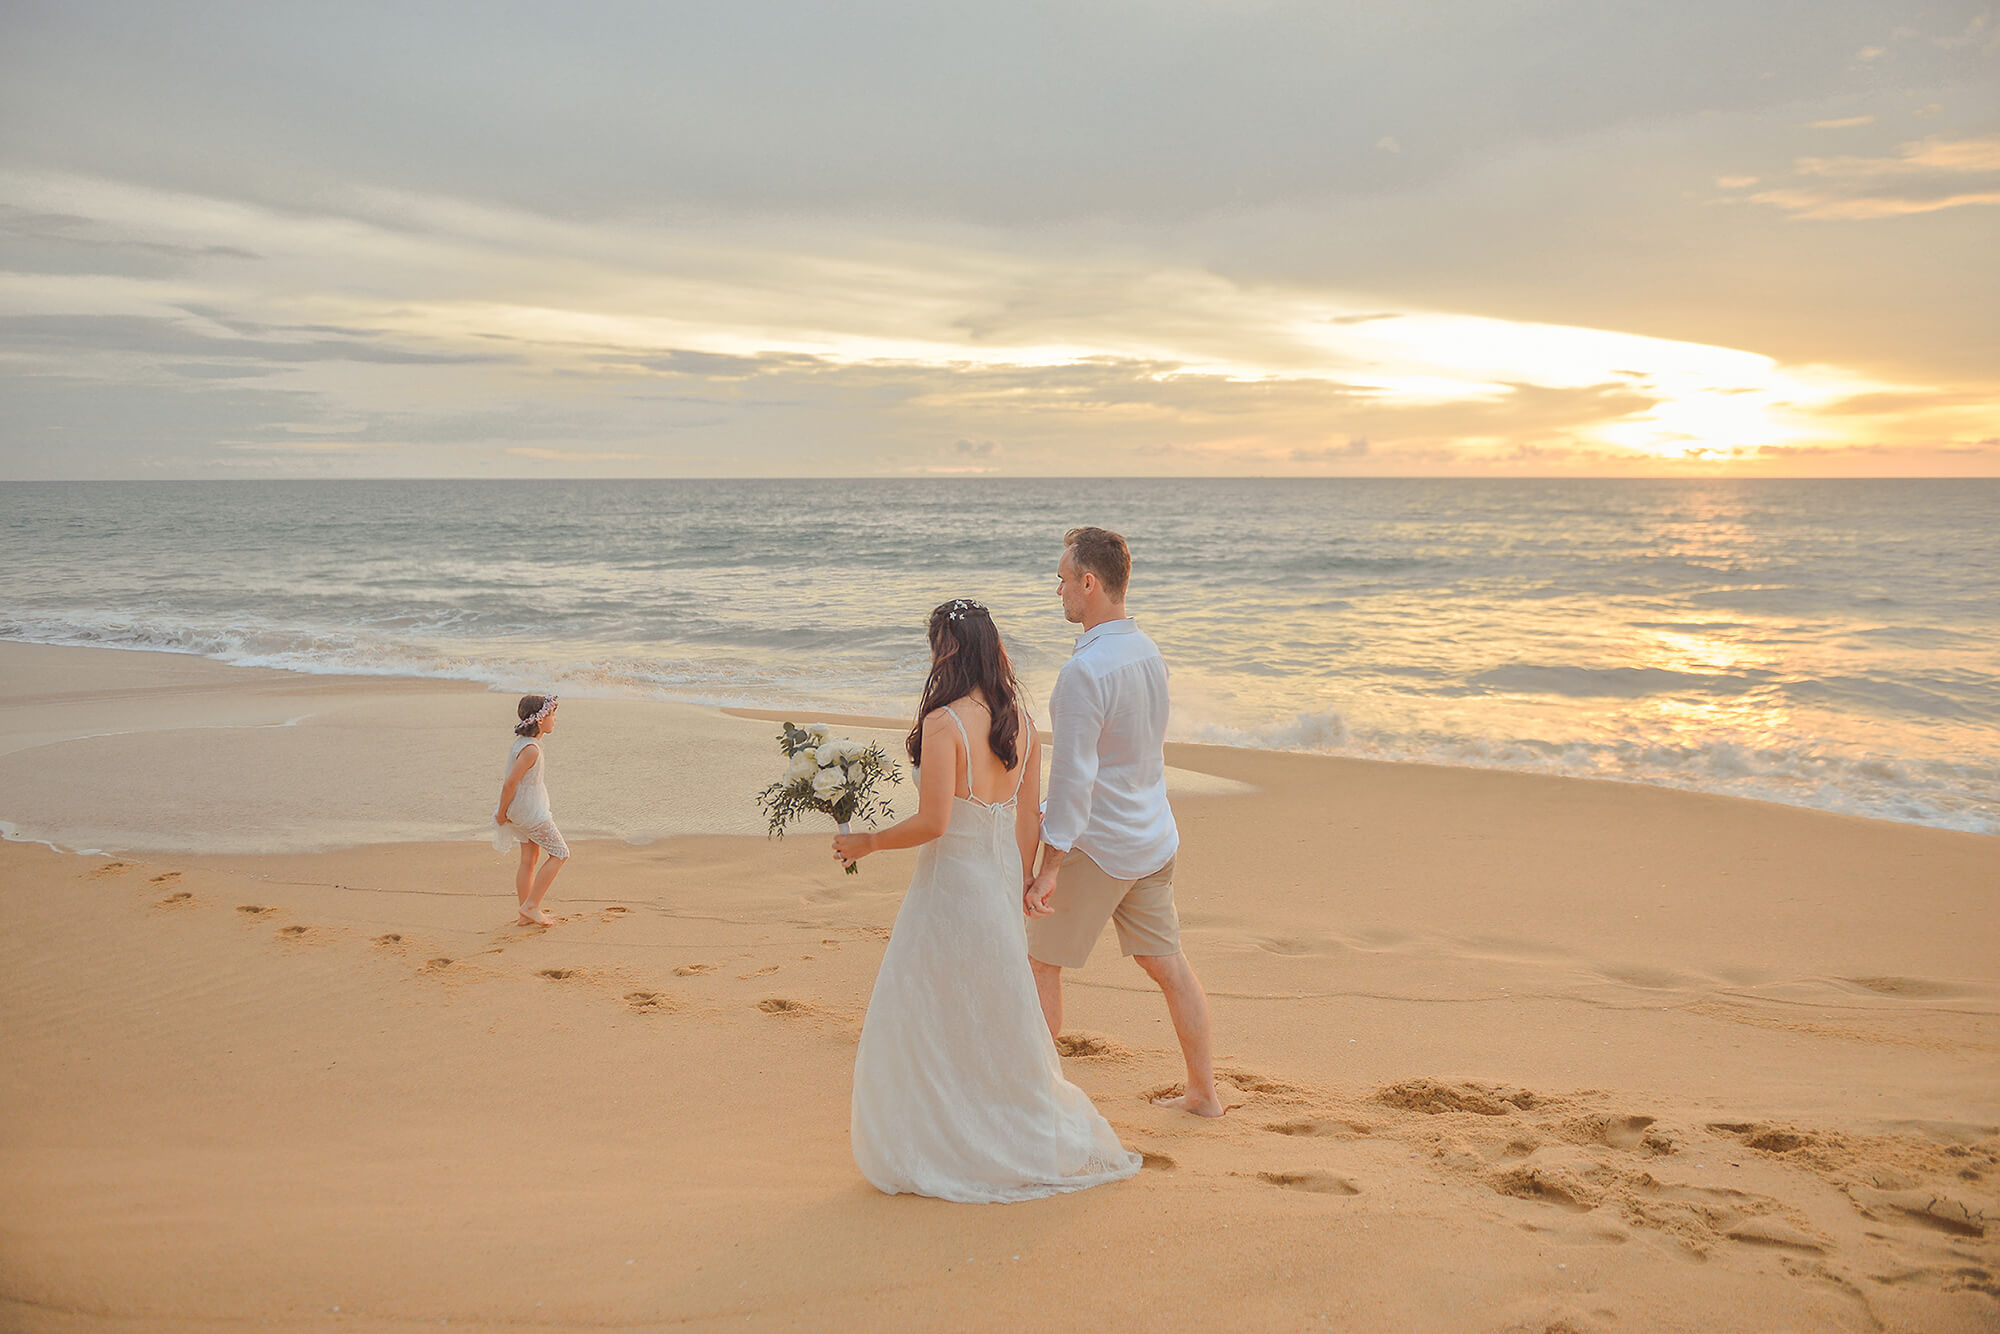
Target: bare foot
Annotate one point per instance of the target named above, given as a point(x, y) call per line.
point(534, 917)
point(1210, 1107)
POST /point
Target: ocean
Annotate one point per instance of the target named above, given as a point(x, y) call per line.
point(1832, 644)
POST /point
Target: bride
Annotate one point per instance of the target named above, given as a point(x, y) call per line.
point(958, 1090)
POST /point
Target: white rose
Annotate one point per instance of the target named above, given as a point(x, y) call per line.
point(802, 766)
point(818, 730)
point(828, 754)
point(828, 783)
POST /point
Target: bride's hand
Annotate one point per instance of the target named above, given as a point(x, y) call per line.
point(1036, 901)
point(851, 848)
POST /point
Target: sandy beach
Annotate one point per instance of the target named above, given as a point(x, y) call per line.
point(1508, 1052)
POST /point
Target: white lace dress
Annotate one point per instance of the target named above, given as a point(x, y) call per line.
point(528, 818)
point(958, 1090)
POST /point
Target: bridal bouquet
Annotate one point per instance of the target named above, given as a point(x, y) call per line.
point(830, 775)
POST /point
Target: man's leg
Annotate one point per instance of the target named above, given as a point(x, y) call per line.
point(1084, 900)
point(1187, 1006)
point(1048, 988)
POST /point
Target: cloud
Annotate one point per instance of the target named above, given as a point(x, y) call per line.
point(313, 446)
point(1980, 29)
point(978, 449)
point(200, 370)
point(1815, 204)
point(1048, 114)
point(815, 255)
point(1356, 448)
point(157, 336)
point(1840, 123)
point(1925, 156)
point(574, 455)
point(1926, 176)
point(713, 365)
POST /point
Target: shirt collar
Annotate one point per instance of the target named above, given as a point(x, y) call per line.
point(1126, 626)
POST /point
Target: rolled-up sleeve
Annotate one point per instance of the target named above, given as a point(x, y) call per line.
point(1076, 716)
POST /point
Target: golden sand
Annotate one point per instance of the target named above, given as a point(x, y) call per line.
point(1508, 1052)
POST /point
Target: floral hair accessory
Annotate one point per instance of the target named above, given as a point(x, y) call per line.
point(959, 608)
point(548, 707)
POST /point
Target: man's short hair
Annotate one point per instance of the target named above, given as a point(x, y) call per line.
point(1104, 554)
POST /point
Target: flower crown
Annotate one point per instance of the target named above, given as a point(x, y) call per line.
point(548, 707)
point(959, 608)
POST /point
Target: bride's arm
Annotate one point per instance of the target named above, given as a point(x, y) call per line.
point(1028, 811)
point(937, 778)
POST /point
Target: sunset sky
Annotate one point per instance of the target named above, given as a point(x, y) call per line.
point(495, 239)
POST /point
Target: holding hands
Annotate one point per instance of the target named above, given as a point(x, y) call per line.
point(1040, 888)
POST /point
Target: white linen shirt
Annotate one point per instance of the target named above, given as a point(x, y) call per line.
point(1108, 764)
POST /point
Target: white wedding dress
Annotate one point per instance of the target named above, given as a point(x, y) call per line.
point(958, 1090)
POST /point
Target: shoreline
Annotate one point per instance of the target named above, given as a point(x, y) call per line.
point(192, 683)
point(1512, 757)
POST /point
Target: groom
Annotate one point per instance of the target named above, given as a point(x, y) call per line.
point(1108, 838)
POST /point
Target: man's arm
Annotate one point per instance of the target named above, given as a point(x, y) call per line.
point(1076, 717)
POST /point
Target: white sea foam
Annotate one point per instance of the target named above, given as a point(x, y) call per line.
point(1945, 795)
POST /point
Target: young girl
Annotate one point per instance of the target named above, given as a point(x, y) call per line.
point(524, 810)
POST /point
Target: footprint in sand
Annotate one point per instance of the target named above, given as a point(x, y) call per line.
point(180, 900)
point(1766, 1138)
point(1634, 1134)
point(293, 931)
point(557, 974)
point(648, 1002)
point(693, 969)
point(1916, 987)
point(614, 912)
point(391, 939)
point(1276, 1089)
point(780, 1005)
point(1323, 1126)
point(1774, 1234)
point(165, 878)
point(1089, 1046)
point(253, 909)
point(757, 972)
point(437, 965)
point(1316, 1183)
point(1433, 1098)
point(1548, 1185)
point(1157, 1162)
point(112, 868)
point(1940, 1211)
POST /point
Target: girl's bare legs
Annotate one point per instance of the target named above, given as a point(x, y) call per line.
point(531, 906)
point(524, 883)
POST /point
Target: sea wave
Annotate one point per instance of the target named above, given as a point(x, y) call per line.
point(1614, 682)
point(1947, 795)
point(781, 665)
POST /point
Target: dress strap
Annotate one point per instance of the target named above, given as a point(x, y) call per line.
point(967, 739)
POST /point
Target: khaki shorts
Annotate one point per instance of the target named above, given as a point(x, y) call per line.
point(1085, 896)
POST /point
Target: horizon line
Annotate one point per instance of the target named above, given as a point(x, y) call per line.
point(1045, 477)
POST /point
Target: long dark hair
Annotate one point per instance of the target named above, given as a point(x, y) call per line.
point(966, 655)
